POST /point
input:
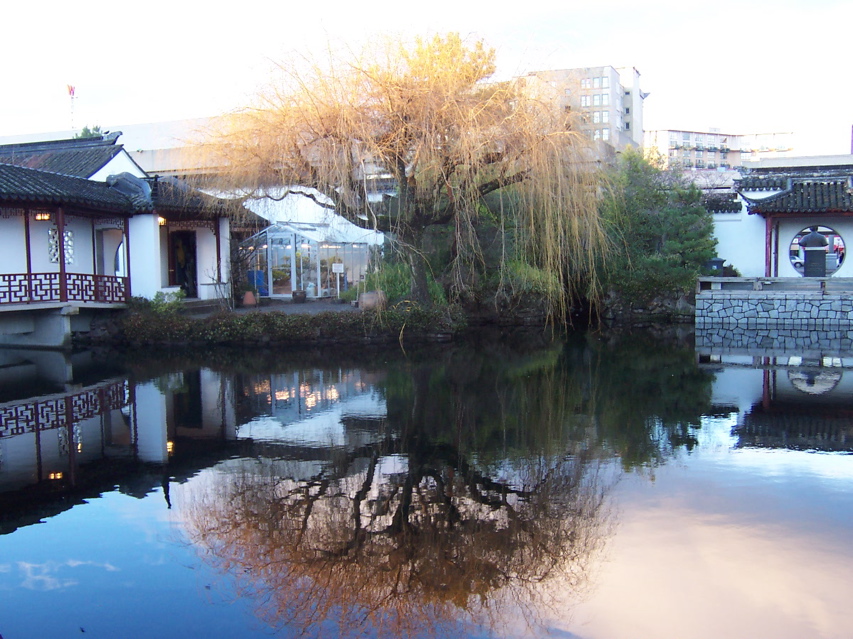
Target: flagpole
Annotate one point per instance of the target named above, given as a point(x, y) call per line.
point(71, 95)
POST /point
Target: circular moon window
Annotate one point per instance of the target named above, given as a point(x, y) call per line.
point(817, 251)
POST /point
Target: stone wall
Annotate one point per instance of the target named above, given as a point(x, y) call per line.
point(762, 309)
point(780, 341)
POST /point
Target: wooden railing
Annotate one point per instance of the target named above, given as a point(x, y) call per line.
point(52, 412)
point(20, 288)
point(712, 285)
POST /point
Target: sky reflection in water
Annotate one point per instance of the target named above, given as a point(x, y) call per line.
point(595, 490)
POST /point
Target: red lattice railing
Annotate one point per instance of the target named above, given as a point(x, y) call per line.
point(20, 288)
point(54, 412)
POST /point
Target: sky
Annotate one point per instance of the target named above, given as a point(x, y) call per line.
point(739, 66)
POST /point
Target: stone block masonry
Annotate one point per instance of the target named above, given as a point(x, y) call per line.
point(805, 311)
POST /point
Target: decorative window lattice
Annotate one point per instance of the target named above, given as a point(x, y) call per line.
point(53, 246)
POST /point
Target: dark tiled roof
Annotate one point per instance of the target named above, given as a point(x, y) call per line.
point(762, 183)
point(722, 203)
point(171, 195)
point(824, 196)
point(78, 157)
point(21, 186)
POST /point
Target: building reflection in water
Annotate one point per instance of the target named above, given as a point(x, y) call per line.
point(83, 434)
point(793, 400)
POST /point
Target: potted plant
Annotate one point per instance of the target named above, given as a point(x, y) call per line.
point(250, 297)
point(299, 296)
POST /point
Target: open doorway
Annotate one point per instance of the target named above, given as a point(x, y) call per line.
point(182, 262)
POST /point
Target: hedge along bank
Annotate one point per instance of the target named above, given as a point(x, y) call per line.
point(147, 326)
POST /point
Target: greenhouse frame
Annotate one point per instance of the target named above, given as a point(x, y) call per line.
point(313, 260)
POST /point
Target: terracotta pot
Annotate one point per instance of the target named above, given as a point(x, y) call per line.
point(249, 299)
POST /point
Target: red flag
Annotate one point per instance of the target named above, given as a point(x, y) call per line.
point(70, 90)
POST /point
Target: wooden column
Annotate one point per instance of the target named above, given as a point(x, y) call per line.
point(775, 248)
point(29, 255)
point(60, 240)
point(218, 251)
point(127, 292)
point(768, 245)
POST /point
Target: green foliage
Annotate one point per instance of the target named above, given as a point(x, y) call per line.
point(663, 234)
point(161, 304)
point(395, 279)
point(523, 278)
point(86, 132)
point(145, 324)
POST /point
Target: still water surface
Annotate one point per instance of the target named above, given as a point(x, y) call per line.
point(585, 488)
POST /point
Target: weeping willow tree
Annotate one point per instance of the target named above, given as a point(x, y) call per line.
point(456, 147)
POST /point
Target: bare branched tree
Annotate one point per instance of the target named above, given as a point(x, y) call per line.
point(407, 555)
point(426, 119)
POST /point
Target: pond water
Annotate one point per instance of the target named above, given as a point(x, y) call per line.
point(586, 488)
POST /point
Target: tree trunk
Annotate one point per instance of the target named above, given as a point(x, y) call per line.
point(413, 242)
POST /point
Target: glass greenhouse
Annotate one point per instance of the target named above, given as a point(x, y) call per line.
point(318, 259)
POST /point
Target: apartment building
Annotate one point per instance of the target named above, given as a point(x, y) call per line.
point(609, 99)
point(715, 150)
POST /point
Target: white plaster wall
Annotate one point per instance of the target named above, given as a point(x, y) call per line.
point(740, 241)
point(151, 436)
point(83, 260)
point(212, 397)
point(20, 463)
point(205, 242)
point(739, 387)
point(91, 440)
point(12, 245)
point(39, 241)
point(112, 239)
point(18, 467)
point(122, 163)
point(145, 255)
point(84, 255)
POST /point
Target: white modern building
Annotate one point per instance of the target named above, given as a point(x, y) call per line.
point(713, 149)
point(609, 99)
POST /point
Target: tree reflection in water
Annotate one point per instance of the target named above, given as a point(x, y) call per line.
point(403, 553)
point(479, 501)
point(427, 528)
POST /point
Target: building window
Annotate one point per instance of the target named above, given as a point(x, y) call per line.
point(568, 91)
point(585, 83)
point(605, 82)
point(605, 134)
point(53, 246)
point(605, 99)
point(596, 83)
point(627, 126)
point(596, 99)
point(605, 117)
point(584, 100)
point(627, 110)
point(596, 117)
point(596, 135)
